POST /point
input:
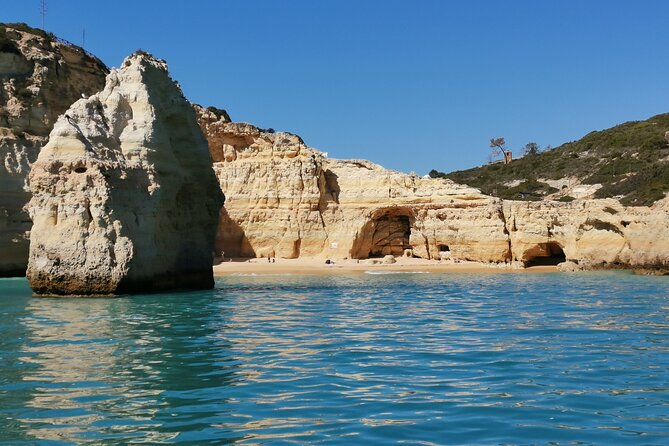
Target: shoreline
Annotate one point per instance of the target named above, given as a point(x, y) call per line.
point(313, 266)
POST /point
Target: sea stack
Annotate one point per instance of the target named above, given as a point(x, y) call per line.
point(40, 77)
point(124, 196)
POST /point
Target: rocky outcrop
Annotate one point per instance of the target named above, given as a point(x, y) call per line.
point(589, 233)
point(364, 200)
point(286, 199)
point(40, 78)
point(276, 182)
point(124, 196)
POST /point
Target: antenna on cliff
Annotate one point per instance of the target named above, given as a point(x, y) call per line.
point(83, 38)
point(42, 11)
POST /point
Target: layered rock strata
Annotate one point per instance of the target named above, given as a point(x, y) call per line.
point(286, 199)
point(589, 233)
point(39, 79)
point(124, 196)
point(276, 181)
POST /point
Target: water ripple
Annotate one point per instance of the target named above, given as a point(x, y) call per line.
point(363, 359)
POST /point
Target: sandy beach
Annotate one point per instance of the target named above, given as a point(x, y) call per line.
point(348, 266)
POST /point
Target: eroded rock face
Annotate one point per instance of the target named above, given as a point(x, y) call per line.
point(39, 79)
point(362, 199)
point(590, 233)
point(288, 200)
point(124, 196)
point(276, 183)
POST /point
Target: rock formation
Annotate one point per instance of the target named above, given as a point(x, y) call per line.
point(124, 196)
point(589, 233)
point(274, 178)
point(286, 199)
point(120, 190)
point(40, 78)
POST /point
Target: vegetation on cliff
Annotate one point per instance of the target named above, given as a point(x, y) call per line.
point(630, 161)
point(8, 45)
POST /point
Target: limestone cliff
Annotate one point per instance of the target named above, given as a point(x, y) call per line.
point(372, 211)
point(590, 233)
point(275, 180)
point(124, 196)
point(286, 199)
point(40, 78)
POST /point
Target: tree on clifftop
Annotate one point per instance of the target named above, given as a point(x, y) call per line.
point(497, 148)
point(531, 148)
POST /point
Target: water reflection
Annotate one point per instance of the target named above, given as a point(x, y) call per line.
point(123, 367)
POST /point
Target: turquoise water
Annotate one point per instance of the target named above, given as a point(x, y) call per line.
point(361, 359)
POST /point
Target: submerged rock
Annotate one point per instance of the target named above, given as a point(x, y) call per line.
point(40, 78)
point(124, 195)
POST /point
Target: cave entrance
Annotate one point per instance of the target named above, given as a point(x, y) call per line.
point(544, 254)
point(391, 236)
point(387, 232)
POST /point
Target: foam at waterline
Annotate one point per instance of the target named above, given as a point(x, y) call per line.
point(383, 273)
point(261, 274)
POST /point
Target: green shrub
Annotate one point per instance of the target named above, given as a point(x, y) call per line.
point(624, 159)
point(20, 26)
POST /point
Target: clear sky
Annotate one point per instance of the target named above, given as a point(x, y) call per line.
point(411, 85)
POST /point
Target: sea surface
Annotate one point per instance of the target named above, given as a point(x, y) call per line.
point(363, 359)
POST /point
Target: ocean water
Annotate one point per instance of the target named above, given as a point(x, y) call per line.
point(352, 360)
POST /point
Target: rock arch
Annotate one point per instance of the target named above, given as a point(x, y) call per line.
point(386, 232)
point(549, 253)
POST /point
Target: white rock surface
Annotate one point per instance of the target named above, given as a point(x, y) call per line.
point(124, 196)
point(39, 79)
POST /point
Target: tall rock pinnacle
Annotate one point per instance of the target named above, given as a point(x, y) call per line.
point(124, 195)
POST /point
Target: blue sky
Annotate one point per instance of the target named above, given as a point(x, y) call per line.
point(409, 85)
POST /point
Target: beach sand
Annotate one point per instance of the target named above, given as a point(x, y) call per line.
point(348, 266)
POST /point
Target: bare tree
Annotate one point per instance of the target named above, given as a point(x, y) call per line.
point(497, 148)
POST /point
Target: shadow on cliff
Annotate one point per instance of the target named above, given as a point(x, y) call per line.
point(330, 189)
point(231, 239)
